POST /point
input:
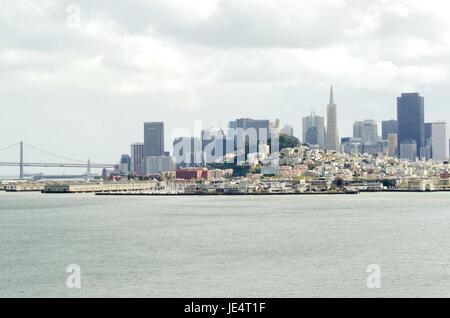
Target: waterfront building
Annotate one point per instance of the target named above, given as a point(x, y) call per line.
point(192, 174)
point(158, 164)
point(411, 120)
point(313, 130)
point(388, 127)
point(439, 141)
point(153, 139)
point(332, 135)
point(90, 187)
point(137, 157)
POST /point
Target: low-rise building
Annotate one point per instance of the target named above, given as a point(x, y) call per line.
point(91, 187)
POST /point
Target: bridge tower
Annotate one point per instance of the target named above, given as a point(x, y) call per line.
point(88, 172)
point(21, 173)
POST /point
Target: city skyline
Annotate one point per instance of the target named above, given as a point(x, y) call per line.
point(76, 73)
point(159, 147)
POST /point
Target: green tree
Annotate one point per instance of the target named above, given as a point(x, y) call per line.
point(286, 141)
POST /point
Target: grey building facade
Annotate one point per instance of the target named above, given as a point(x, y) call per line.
point(153, 139)
point(411, 120)
point(389, 127)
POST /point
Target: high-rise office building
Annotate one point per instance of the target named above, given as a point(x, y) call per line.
point(332, 135)
point(154, 165)
point(137, 157)
point(388, 127)
point(125, 164)
point(439, 141)
point(357, 129)
point(288, 130)
point(392, 145)
point(411, 120)
point(153, 139)
point(367, 130)
point(428, 133)
point(408, 150)
point(313, 130)
point(252, 131)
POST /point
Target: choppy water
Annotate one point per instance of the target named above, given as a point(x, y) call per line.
point(289, 246)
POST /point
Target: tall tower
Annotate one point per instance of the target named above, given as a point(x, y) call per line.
point(411, 120)
point(332, 136)
point(153, 139)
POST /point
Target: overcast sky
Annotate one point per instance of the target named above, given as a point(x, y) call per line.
point(80, 77)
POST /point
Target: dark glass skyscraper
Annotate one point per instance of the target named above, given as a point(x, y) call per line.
point(389, 127)
point(153, 139)
point(411, 120)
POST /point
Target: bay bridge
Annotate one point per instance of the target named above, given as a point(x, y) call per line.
point(69, 162)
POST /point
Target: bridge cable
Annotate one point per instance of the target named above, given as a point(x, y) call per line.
point(9, 147)
point(55, 155)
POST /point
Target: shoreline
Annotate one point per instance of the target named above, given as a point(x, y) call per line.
point(219, 194)
point(228, 194)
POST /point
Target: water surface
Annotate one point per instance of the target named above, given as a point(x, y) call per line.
point(282, 246)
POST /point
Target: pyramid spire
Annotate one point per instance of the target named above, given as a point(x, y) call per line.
point(331, 96)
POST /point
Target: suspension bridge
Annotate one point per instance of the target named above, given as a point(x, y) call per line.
point(69, 162)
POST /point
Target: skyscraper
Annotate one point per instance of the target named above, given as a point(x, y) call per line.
point(389, 127)
point(137, 158)
point(332, 135)
point(357, 129)
point(367, 130)
point(411, 120)
point(313, 130)
point(370, 131)
point(439, 141)
point(392, 145)
point(288, 130)
point(125, 164)
point(408, 150)
point(252, 131)
point(153, 139)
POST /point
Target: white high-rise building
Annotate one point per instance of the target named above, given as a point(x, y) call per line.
point(439, 141)
point(332, 135)
point(288, 130)
point(367, 130)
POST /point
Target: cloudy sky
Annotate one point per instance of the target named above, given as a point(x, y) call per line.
point(80, 77)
